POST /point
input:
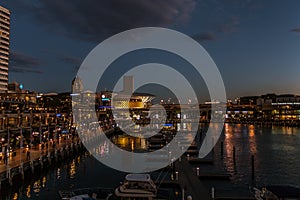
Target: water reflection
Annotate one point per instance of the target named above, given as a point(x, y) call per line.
point(44, 181)
point(28, 191)
point(130, 143)
point(252, 140)
point(15, 197)
point(72, 171)
point(36, 186)
point(58, 173)
point(44, 185)
point(276, 151)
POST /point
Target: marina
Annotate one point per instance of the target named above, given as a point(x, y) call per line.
point(217, 172)
point(149, 100)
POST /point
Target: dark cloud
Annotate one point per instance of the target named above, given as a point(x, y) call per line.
point(230, 26)
point(21, 63)
point(94, 20)
point(297, 30)
point(209, 36)
point(71, 60)
point(225, 17)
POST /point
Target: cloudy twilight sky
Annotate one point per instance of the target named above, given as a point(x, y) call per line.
point(255, 44)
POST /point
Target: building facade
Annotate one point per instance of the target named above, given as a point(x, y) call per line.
point(4, 47)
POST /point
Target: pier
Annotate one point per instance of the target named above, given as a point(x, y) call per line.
point(21, 162)
point(189, 182)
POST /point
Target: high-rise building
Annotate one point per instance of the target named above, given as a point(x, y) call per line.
point(128, 85)
point(77, 85)
point(4, 47)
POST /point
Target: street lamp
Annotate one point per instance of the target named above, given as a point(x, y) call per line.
point(3, 124)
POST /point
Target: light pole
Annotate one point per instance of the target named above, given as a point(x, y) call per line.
point(21, 143)
point(30, 129)
point(3, 123)
point(8, 141)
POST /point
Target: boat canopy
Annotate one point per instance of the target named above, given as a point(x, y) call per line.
point(138, 177)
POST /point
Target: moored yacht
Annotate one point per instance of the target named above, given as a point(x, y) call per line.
point(88, 194)
point(137, 186)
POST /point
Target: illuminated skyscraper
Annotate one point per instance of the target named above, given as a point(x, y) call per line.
point(77, 85)
point(128, 85)
point(4, 47)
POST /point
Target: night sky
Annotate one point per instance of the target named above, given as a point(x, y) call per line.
point(255, 44)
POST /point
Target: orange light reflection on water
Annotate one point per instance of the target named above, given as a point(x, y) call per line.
point(234, 133)
point(228, 139)
point(252, 139)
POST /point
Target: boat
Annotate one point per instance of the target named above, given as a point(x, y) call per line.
point(277, 192)
point(88, 194)
point(137, 186)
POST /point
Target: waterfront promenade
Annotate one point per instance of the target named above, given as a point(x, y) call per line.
point(21, 162)
point(21, 154)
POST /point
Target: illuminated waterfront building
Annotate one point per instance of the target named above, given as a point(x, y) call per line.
point(4, 47)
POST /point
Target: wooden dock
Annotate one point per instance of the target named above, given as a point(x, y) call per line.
point(189, 181)
point(218, 176)
point(201, 161)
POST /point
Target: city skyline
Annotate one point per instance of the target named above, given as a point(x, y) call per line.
point(253, 43)
point(126, 99)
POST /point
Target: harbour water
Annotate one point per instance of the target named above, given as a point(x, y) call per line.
point(276, 151)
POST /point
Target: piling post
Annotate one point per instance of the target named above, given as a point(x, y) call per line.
point(32, 166)
point(252, 167)
point(176, 175)
point(56, 155)
point(173, 166)
point(9, 177)
point(41, 162)
point(22, 171)
point(200, 136)
point(233, 155)
point(213, 193)
point(49, 157)
point(62, 152)
point(222, 150)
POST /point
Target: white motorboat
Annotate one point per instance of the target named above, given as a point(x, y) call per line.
point(88, 194)
point(137, 186)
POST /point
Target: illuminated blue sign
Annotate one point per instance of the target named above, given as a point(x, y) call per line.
point(64, 131)
point(105, 106)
